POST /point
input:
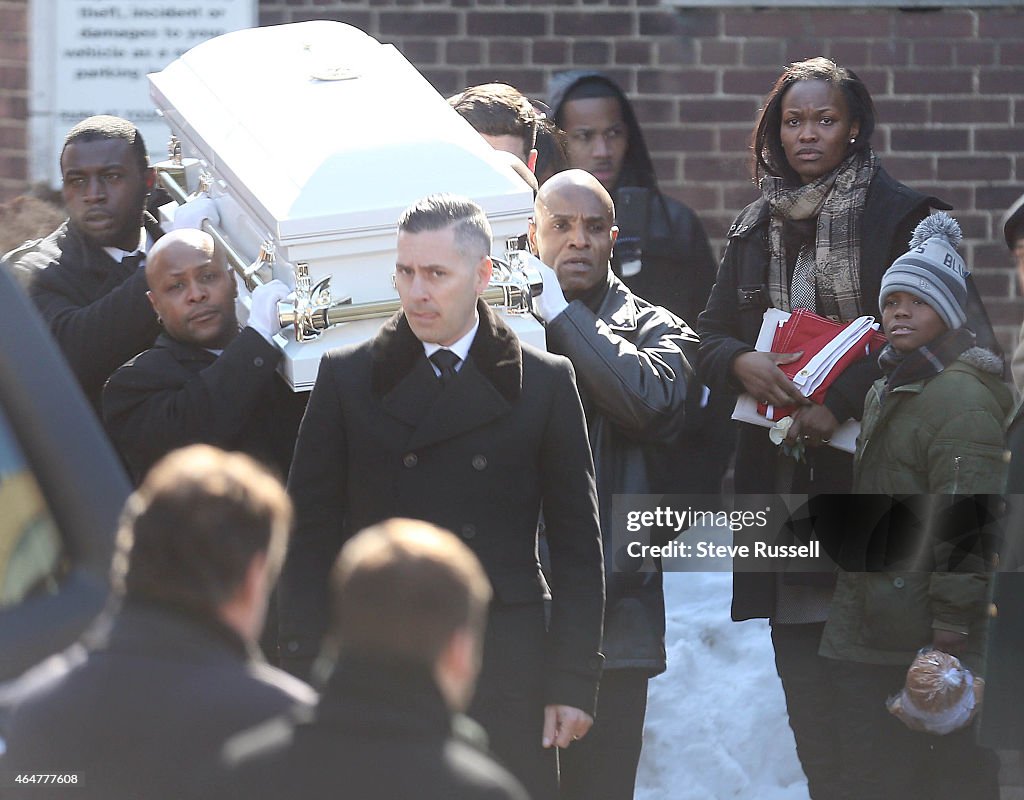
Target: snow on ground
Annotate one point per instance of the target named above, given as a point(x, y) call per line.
point(716, 721)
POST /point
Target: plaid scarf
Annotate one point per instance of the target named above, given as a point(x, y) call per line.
point(837, 200)
point(926, 361)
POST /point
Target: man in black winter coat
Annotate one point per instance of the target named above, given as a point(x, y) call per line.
point(662, 253)
point(145, 708)
point(204, 380)
point(633, 367)
point(445, 416)
point(85, 277)
point(410, 604)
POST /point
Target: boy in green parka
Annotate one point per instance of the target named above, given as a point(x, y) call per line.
point(933, 425)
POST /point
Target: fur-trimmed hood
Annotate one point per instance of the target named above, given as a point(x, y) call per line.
point(983, 360)
point(495, 351)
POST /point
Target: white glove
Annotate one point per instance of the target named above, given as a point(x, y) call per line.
point(551, 301)
point(263, 316)
point(195, 211)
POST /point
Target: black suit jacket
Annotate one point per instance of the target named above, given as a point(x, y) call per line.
point(382, 438)
point(145, 714)
point(95, 307)
point(380, 732)
point(177, 394)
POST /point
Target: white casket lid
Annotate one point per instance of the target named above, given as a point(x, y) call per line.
point(318, 157)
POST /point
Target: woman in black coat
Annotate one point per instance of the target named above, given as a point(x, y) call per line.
point(829, 223)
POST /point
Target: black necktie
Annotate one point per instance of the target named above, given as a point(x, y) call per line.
point(445, 360)
point(131, 262)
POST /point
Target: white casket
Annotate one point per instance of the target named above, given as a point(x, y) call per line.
point(315, 138)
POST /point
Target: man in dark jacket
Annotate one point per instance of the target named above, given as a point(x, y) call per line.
point(410, 604)
point(84, 277)
point(444, 416)
point(662, 252)
point(204, 381)
point(633, 372)
point(145, 711)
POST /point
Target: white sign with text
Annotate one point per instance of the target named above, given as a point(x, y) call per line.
point(92, 57)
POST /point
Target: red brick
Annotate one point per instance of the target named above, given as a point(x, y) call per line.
point(1000, 140)
point(889, 53)
point(1001, 81)
point(677, 52)
point(930, 140)
point(933, 54)
point(970, 111)
point(691, 23)
point(660, 23)
point(464, 51)
point(698, 197)
point(14, 77)
point(714, 168)
point(845, 24)
point(431, 23)
point(960, 197)
point(896, 111)
point(672, 139)
point(12, 19)
point(997, 198)
point(974, 168)
point(650, 109)
point(1011, 54)
point(952, 23)
point(13, 137)
point(855, 55)
point(738, 196)
point(446, 81)
point(661, 81)
point(993, 254)
point(633, 52)
point(933, 81)
point(1003, 312)
point(773, 24)
point(421, 51)
point(800, 49)
point(270, 17)
point(989, 282)
point(666, 168)
point(718, 52)
point(763, 53)
point(551, 51)
point(506, 51)
point(1008, 25)
point(910, 168)
point(591, 53)
point(717, 225)
point(973, 224)
point(748, 81)
point(511, 23)
point(714, 110)
point(734, 138)
point(594, 23)
point(529, 81)
point(983, 53)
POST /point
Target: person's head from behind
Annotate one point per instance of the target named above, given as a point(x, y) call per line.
point(924, 292)
point(573, 230)
point(501, 114)
point(596, 128)
point(192, 289)
point(407, 591)
point(816, 115)
point(106, 177)
point(205, 534)
point(442, 266)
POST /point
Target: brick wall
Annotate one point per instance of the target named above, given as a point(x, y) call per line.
point(949, 86)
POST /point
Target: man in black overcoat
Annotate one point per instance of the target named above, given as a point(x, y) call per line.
point(411, 604)
point(144, 709)
point(446, 417)
point(85, 277)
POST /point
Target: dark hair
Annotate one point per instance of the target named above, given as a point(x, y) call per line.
point(498, 109)
point(769, 155)
point(402, 588)
point(105, 126)
point(438, 211)
point(191, 530)
point(552, 156)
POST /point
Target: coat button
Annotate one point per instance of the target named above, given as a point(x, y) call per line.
point(479, 463)
point(293, 646)
point(410, 460)
point(258, 361)
point(899, 583)
point(468, 531)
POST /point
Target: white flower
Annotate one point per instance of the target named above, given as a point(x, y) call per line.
point(779, 430)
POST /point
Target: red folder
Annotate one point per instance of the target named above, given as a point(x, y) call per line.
point(807, 332)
